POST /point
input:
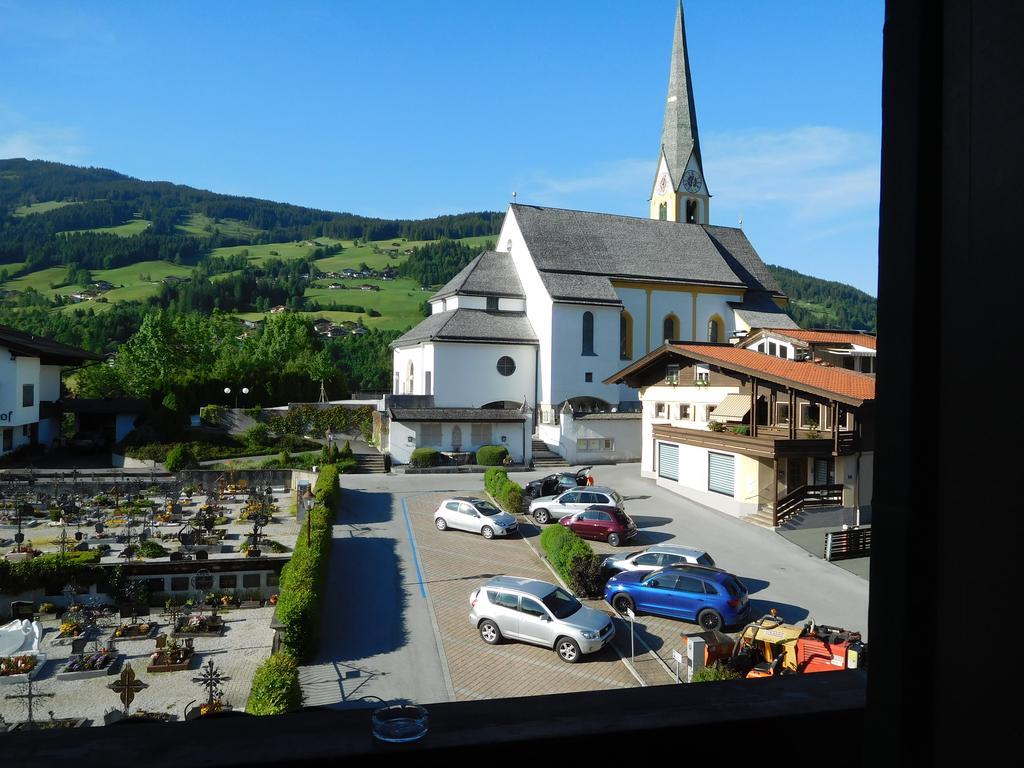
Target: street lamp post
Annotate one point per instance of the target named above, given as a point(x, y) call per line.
point(227, 391)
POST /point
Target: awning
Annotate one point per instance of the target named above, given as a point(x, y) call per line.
point(734, 406)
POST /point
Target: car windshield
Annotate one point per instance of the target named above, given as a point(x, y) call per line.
point(705, 559)
point(486, 508)
point(562, 604)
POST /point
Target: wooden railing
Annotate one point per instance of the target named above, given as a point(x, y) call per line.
point(848, 544)
point(807, 496)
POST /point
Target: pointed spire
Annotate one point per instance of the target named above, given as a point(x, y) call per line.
point(679, 135)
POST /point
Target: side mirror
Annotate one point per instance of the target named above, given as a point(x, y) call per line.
point(545, 617)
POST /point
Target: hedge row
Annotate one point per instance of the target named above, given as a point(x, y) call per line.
point(425, 457)
point(275, 687)
point(304, 578)
point(52, 571)
point(507, 493)
point(573, 559)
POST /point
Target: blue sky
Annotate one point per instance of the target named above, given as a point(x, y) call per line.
point(407, 109)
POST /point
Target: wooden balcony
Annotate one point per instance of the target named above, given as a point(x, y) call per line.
point(770, 442)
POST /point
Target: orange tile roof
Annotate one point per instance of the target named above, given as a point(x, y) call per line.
point(826, 378)
point(828, 337)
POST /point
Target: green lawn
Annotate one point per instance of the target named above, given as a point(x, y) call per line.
point(40, 280)
point(260, 253)
point(201, 225)
point(49, 205)
point(129, 228)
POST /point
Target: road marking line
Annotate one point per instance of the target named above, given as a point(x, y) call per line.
point(412, 545)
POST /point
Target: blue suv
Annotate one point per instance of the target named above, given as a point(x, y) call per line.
point(711, 597)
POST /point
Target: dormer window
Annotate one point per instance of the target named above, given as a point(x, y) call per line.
point(672, 374)
point(701, 374)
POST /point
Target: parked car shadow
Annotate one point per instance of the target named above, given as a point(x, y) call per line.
point(791, 614)
point(636, 498)
point(645, 538)
point(754, 585)
point(643, 635)
point(645, 521)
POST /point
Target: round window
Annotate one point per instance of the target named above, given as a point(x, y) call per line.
point(506, 366)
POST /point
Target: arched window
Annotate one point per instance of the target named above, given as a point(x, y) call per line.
point(588, 333)
point(715, 328)
point(409, 379)
point(670, 327)
point(663, 212)
point(625, 336)
point(691, 211)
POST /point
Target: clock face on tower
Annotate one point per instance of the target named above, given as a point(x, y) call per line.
point(691, 181)
point(663, 183)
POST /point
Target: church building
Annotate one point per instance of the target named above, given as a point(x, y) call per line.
point(521, 343)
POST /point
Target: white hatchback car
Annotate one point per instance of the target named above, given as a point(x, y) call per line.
point(548, 508)
point(466, 513)
point(658, 556)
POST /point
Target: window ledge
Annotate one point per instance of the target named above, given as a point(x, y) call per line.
point(794, 712)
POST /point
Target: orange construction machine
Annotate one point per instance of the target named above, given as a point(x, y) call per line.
point(769, 647)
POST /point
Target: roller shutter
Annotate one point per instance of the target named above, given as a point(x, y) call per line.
point(668, 461)
point(722, 473)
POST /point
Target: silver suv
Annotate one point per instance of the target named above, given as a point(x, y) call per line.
point(658, 556)
point(548, 508)
point(539, 613)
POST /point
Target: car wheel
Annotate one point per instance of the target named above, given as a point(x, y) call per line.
point(568, 650)
point(621, 602)
point(489, 632)
point(613, 539)
point(542, 516)
point(487, 531)
point(709, 620)
point(441, 523)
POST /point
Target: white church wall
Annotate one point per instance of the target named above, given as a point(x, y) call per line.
point(539, 307)
point(569, 377)
point(711, 304)
point(663, 303)
point(511, 305)
point(422, 358)
point(436, 307)
point(634, 301)
point(466, 375)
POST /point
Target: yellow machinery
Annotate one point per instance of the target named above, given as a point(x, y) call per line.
point(767, 647)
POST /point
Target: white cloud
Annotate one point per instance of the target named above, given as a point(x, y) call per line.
point(38, 142)
point(814, 172)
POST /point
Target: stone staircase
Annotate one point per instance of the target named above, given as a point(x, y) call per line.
point(543, 458)
point(371, 463)
point(763, 517)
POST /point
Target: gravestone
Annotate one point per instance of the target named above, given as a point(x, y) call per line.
point(23, 609)
point(78, 646)
point(202, 554)
point(176, 555)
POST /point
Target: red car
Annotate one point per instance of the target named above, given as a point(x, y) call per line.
point(601, 522)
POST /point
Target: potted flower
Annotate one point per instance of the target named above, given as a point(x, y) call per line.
point(272, 600)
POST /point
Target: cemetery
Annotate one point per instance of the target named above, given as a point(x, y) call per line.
point(136, 596)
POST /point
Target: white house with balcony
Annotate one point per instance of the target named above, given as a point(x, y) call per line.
point(570, 297)
point(30, 387)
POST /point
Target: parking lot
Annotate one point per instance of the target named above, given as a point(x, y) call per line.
point(389, 549)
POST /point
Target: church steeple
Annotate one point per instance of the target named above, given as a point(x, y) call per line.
point(680, 192)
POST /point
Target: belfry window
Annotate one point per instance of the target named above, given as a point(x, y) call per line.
point(691, 211)
point(663, 212)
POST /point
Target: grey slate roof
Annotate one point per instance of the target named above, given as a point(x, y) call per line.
point(679, 133)
point(576, 252)
point(455, 414)
point(759, 311)
point(48, 351)
point(492, 273)
point(471, 325)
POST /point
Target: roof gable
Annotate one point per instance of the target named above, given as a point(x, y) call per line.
point(492, 273)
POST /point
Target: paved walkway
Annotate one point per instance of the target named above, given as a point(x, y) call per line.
point(377, 635)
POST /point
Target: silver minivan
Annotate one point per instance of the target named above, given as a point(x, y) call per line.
point(658, 556)
point(540, 613)
point(548, 508)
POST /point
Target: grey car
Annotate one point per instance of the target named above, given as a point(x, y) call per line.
point(658, 556)
point(467, 513)
point(539, 613)
point(548, 508)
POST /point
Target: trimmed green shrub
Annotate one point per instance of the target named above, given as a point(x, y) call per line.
point(714, 673)
point(742, 429)
point(211, 414)
point(150, 548)
point(573, 558)
point(257, 435)
point(507, 493)
point(716, 426)
point(179, 457)
point(491, 455)
point(275, 687)
point(425, 457)
point(346, 451)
